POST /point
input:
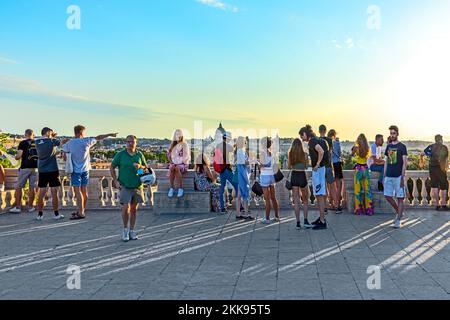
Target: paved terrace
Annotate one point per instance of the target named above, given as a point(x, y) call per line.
point(210, 256)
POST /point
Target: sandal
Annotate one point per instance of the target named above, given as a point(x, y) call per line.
point(77, 216)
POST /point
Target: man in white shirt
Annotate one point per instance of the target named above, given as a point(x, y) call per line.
point(376, 160)
point(79, 149)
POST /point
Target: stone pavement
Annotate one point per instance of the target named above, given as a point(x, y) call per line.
point(210, 256)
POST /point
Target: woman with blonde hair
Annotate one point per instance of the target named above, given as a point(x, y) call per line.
point(298, 163)
point(179, 158)
point(363, 194)
point(206, 180)
point(243, 171)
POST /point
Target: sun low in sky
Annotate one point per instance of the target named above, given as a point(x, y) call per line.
point(148, 67)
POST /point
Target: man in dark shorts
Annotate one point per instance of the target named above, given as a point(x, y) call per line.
point(438, 154)
point(46, 147)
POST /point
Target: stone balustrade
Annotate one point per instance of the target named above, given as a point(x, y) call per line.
point(102, 194)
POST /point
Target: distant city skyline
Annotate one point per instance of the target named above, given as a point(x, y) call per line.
point(148, 67)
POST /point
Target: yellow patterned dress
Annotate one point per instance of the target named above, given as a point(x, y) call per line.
point(363, 194)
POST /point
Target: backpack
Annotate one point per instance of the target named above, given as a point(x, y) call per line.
point(219, 161)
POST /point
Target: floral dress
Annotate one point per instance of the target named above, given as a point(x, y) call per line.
point(204, 184)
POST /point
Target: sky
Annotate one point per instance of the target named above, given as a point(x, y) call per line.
point(147, 67)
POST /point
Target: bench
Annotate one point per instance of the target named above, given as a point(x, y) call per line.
point(192, 201)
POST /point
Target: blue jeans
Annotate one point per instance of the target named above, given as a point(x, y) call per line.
point(378, 168)
point(225, 176)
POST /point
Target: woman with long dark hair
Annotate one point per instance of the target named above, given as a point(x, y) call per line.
point(298, 163)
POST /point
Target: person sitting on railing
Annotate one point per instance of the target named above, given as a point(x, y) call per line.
point(438, 154)
point(376, 161)
point(179, 158)
point(363, 193)
point(206, 180)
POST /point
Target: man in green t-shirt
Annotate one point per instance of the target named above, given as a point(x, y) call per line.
point(129, 162)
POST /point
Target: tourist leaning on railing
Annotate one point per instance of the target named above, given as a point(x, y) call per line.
point(363, 193)
point(329, 173)
point(206, 180)
point(438, 154)
point(179, 158)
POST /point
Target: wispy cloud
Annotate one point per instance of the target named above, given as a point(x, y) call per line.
point(7, 60)
point(28, 90)
point(219, 5)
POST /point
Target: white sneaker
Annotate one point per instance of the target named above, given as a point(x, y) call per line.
point(39, 218)
point(180, 193)
point(133, 235)
point(265, 221)
point(31, 210)
point(170, 194)
point(125, 235)
point(2, 187)
point(58, 217)
point(15, 210)
point(397, 224)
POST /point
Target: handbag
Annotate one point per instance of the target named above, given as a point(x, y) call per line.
point(288, 183)
point(256, 188)
point(69, 163)
point(279, 176)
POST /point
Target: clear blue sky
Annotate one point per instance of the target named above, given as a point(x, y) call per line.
point(149, 66)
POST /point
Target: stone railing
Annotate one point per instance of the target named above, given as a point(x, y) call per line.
point(102, 194)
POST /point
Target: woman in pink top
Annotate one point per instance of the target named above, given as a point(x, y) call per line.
point(179, 159)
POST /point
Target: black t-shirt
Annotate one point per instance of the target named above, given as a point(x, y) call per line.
point(394, 154)
point(329, 141)
point(29, 155)
point(315, 155)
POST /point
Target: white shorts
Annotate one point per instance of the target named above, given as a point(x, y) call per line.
point(392, 187)
point(319, 182)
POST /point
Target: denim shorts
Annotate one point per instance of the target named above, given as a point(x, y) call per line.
point(80, 179)
point(267, 180)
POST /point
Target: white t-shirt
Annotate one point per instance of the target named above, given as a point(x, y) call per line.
point(374, 151)
point(80, 148)
point(241, 157)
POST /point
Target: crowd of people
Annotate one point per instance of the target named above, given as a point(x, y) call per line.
point(230, 167)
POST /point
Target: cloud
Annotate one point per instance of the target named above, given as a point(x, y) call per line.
point(219, 5)
point(31, 91)
point(7, 60)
